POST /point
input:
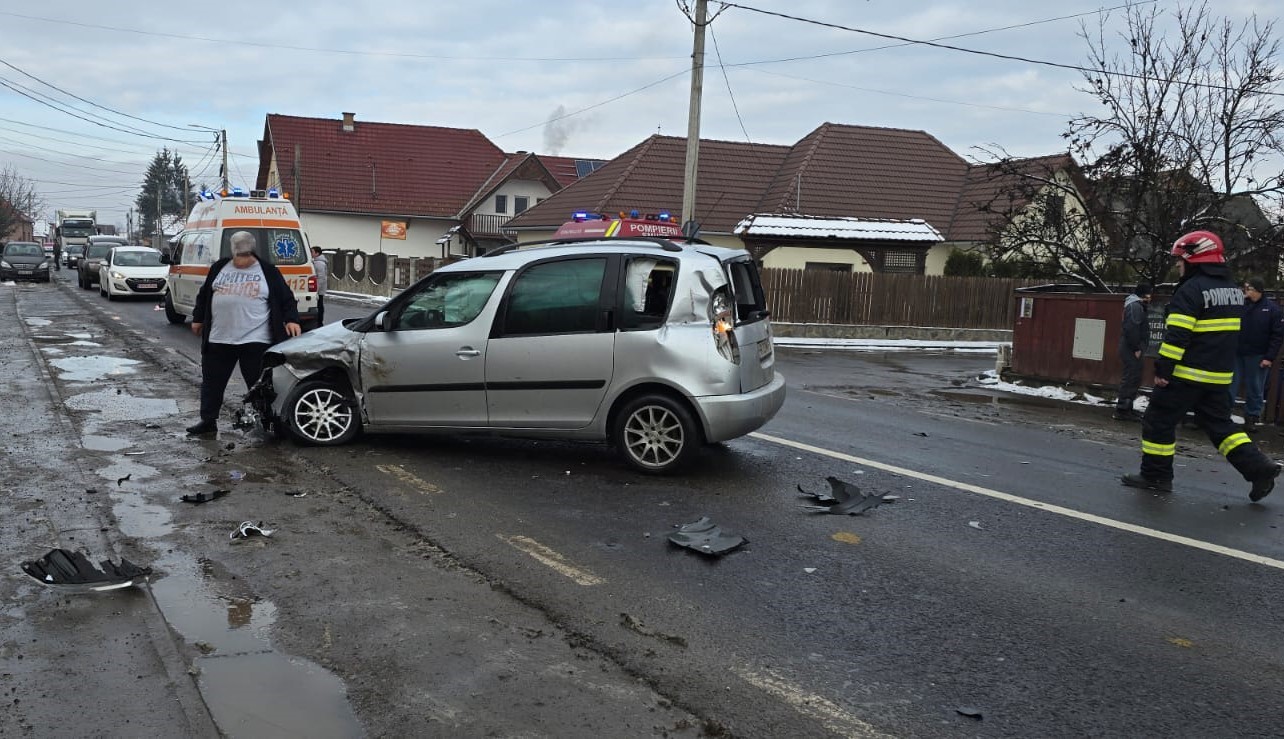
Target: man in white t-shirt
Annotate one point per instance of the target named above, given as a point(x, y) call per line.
point(244, 307)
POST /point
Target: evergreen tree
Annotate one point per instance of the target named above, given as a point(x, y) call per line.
point(166, 176)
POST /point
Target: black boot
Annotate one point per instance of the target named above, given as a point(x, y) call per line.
point(1145, 483)
point(1264, 484)
point(206, 426)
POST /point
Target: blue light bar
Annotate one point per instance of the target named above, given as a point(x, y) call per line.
point(664, 215)
point(580, 216)
point(633, 213)
point(272, 193)
point(238, 192)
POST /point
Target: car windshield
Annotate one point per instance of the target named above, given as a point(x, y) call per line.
point(24, 250)
point(76, 232)
point(73, 250)
point(137, 259)
point(98, 251)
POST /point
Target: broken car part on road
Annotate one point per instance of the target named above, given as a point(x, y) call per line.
point(249, 528)
point(706, 537)
point(204, 497)
point(845, 499)
point(73, 571)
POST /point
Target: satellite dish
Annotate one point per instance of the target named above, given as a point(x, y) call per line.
point(691, 228)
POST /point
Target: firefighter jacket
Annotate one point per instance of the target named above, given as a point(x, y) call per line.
point(1201, 327)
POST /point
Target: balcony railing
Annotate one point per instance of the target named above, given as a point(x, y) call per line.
point(485, 224)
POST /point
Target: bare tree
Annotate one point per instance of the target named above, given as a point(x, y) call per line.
point(1192, 118)
point(1042, 220)
point(19, 200)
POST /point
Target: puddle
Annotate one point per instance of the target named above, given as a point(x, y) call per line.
point(105, 444)
point(51, 350)
point(38, 321)
point(137, 518)
point(995, 398)
point(237, 476)
point(250, 689)
point(92, 369)
point(81, 336)
point(121, 468)
point(82, 342)
point(122, 407)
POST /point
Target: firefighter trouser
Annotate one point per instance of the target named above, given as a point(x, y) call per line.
point(1211, 404)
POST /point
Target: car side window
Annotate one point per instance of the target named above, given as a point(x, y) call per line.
point(556, 298)
point(447, 300)
point(648, 290)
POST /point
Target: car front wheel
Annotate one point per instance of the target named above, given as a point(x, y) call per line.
point(321, 413)
point(656, 434)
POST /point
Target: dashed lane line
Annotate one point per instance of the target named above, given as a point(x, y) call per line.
point(408, 477)
point(1049, 507)
point(825, 711)
point(552, 559)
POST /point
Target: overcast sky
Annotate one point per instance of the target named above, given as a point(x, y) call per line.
point(617, 71)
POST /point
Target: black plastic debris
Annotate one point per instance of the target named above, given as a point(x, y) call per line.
point(122, 480)
point(73, 571)
point(969, 712)
point(204, 497)
point(706, 537)
point(845, 499)
point(249, 528)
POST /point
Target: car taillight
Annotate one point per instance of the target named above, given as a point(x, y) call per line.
point(312, 283)
point(724, 328)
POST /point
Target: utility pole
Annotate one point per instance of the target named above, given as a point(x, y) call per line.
point(693, 115)
point(223, 140)
point(159, 237)
point(187, 193)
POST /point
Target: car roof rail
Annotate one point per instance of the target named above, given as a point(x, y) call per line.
point(665, 244)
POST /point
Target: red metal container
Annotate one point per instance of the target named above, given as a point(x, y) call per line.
point(1070, 337)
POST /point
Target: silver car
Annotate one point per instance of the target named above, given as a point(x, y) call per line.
point(654, 346)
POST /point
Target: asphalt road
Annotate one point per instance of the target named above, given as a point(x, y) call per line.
point(1013, 579)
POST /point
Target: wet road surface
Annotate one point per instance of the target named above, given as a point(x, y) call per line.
point(1013, 576)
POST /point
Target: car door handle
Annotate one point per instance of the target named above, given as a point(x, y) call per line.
point(467, 352)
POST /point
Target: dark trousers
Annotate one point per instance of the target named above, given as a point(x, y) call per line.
point(320, 310)
point(1130, 384)
point(1211, 404)
point(217, 363)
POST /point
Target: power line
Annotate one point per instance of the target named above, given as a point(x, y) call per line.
point(350, 52)
point(718, 52)
point(991, 54)
point(37, 97)
point(89, 102)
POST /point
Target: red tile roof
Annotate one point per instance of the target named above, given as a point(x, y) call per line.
point(568, 169)
point(987, 183)
point(378, 168)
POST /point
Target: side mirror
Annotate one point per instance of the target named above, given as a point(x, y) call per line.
point(381, 320)
point(164, 259)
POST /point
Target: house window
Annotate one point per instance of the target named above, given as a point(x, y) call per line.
point(900, 261)
point(520, 203)
point(827, 267)
point(501, 203)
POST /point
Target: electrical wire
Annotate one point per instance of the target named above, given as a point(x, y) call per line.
point(991, 54)
point(15, 87)
point(89, 102)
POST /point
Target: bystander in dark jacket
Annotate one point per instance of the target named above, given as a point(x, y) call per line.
point(1261, 331)
point(1134, 335)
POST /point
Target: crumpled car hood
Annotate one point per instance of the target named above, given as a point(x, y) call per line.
point(329, 346)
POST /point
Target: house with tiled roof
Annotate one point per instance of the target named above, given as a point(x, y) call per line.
point(451, 189)
point(850, 198)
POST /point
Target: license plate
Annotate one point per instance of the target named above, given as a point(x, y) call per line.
point(764, 348)
point(147, 286)
point(24, 272)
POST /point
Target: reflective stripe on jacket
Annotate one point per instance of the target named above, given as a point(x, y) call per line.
point(1202, 327)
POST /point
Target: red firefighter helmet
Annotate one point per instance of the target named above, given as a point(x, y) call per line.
point(1200, 247)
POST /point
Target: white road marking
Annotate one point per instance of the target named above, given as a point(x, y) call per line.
point(1049, 507)
point(552, 559)
point(408, 477)
point(958, 418)
point(827, 712)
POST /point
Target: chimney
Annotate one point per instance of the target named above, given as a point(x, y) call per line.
point(349, 122)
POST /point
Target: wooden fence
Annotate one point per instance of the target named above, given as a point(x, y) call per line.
point(869, 299)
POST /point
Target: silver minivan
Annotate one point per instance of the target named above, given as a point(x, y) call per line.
point(655, 346)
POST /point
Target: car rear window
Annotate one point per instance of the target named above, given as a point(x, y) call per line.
point(751, 302)
point(98, 251)
point(274, 245)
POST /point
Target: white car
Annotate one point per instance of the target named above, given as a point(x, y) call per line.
point(131, 270)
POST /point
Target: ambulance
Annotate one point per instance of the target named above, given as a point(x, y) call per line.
point(207, 237)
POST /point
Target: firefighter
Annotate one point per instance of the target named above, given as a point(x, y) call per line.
point(1194, 369)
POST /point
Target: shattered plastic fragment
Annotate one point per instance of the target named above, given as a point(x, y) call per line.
point(73, 571)
point(236, 475)
point(122, 480)
point(845, 500)
point(706, 537)
point(249, 528)
point(974, 524)
point(204, 497)
point(969, 712)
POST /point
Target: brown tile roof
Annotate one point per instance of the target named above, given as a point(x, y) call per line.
point(649, 178)
point(568, 169)
point(426, 171)
point(984, 184)
point(836, 170)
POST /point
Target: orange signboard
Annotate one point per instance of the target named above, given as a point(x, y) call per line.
point(394, 230)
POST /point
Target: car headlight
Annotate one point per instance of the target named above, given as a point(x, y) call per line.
point(44, 265)
point(116, 275)
point(5, 264)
